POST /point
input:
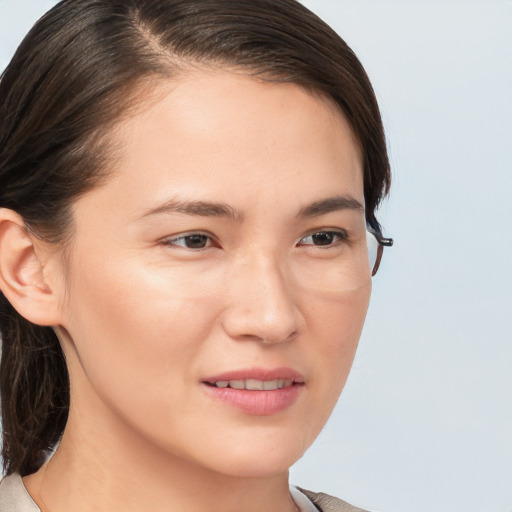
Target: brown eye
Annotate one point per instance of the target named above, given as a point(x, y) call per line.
point(323, 238)
point(192, 241)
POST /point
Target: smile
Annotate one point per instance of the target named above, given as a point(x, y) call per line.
point(258, 392)
point(254, 384)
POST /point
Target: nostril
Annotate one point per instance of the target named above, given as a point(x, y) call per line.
point(271, 341)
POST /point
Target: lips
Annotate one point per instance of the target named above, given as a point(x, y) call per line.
point(260, 374)
point(256, 391)
point(254, 384)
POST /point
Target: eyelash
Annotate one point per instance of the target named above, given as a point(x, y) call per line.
point(173, 241)
point(341, 236)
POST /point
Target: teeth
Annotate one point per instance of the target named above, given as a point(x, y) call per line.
point(269, 385)
point(255, 385)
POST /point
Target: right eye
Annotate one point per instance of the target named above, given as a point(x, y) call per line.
point(194, 241)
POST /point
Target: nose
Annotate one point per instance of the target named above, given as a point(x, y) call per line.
point(260, 305)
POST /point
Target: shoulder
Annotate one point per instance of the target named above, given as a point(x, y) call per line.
point(326, 503)
point(14, 497)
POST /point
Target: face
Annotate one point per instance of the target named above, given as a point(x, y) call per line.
point(218, 282)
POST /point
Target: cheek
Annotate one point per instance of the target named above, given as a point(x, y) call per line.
point(338, 319)
point(137, 332)
point(338, 324)
point(350, 322)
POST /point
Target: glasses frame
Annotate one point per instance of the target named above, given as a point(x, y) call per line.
point(382, 242)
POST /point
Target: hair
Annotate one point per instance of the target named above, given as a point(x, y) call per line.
point(72, 78)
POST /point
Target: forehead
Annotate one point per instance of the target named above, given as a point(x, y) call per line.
point(211, 134)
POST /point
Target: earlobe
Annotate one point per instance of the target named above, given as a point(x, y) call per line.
point(22, 273)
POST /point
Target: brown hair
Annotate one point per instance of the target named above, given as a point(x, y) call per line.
point(71, 78)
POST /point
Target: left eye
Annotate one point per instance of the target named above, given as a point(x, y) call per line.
point(192, 241)
point(323, 238)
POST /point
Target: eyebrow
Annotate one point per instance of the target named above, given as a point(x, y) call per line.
point(214, 209)
point(329, 205)
point(197, 208)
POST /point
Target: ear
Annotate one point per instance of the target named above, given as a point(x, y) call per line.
point(23, 277)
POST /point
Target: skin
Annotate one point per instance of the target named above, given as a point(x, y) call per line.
point(143, 320)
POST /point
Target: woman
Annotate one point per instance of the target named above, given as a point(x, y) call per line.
point(187, 198)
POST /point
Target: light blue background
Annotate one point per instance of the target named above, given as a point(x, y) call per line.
point(425, 421)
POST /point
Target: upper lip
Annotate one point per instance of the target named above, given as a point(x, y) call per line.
point(264, 374)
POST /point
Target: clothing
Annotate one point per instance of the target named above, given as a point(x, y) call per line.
point(322, 502)
point(15, 498)
point(326, 503)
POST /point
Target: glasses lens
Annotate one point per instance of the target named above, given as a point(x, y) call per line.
point(374, 252)
point(344, 267)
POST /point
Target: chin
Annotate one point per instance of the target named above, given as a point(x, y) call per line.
point(265, 465)
point(259, 460)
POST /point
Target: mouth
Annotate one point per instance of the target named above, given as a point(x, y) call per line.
point(257, 392)
point(256, 379)
point(254, 384)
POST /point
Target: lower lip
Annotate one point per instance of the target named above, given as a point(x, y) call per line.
point(257, 403)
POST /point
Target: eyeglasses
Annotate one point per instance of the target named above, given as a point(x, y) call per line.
point(376, 243)
point(349, 270)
